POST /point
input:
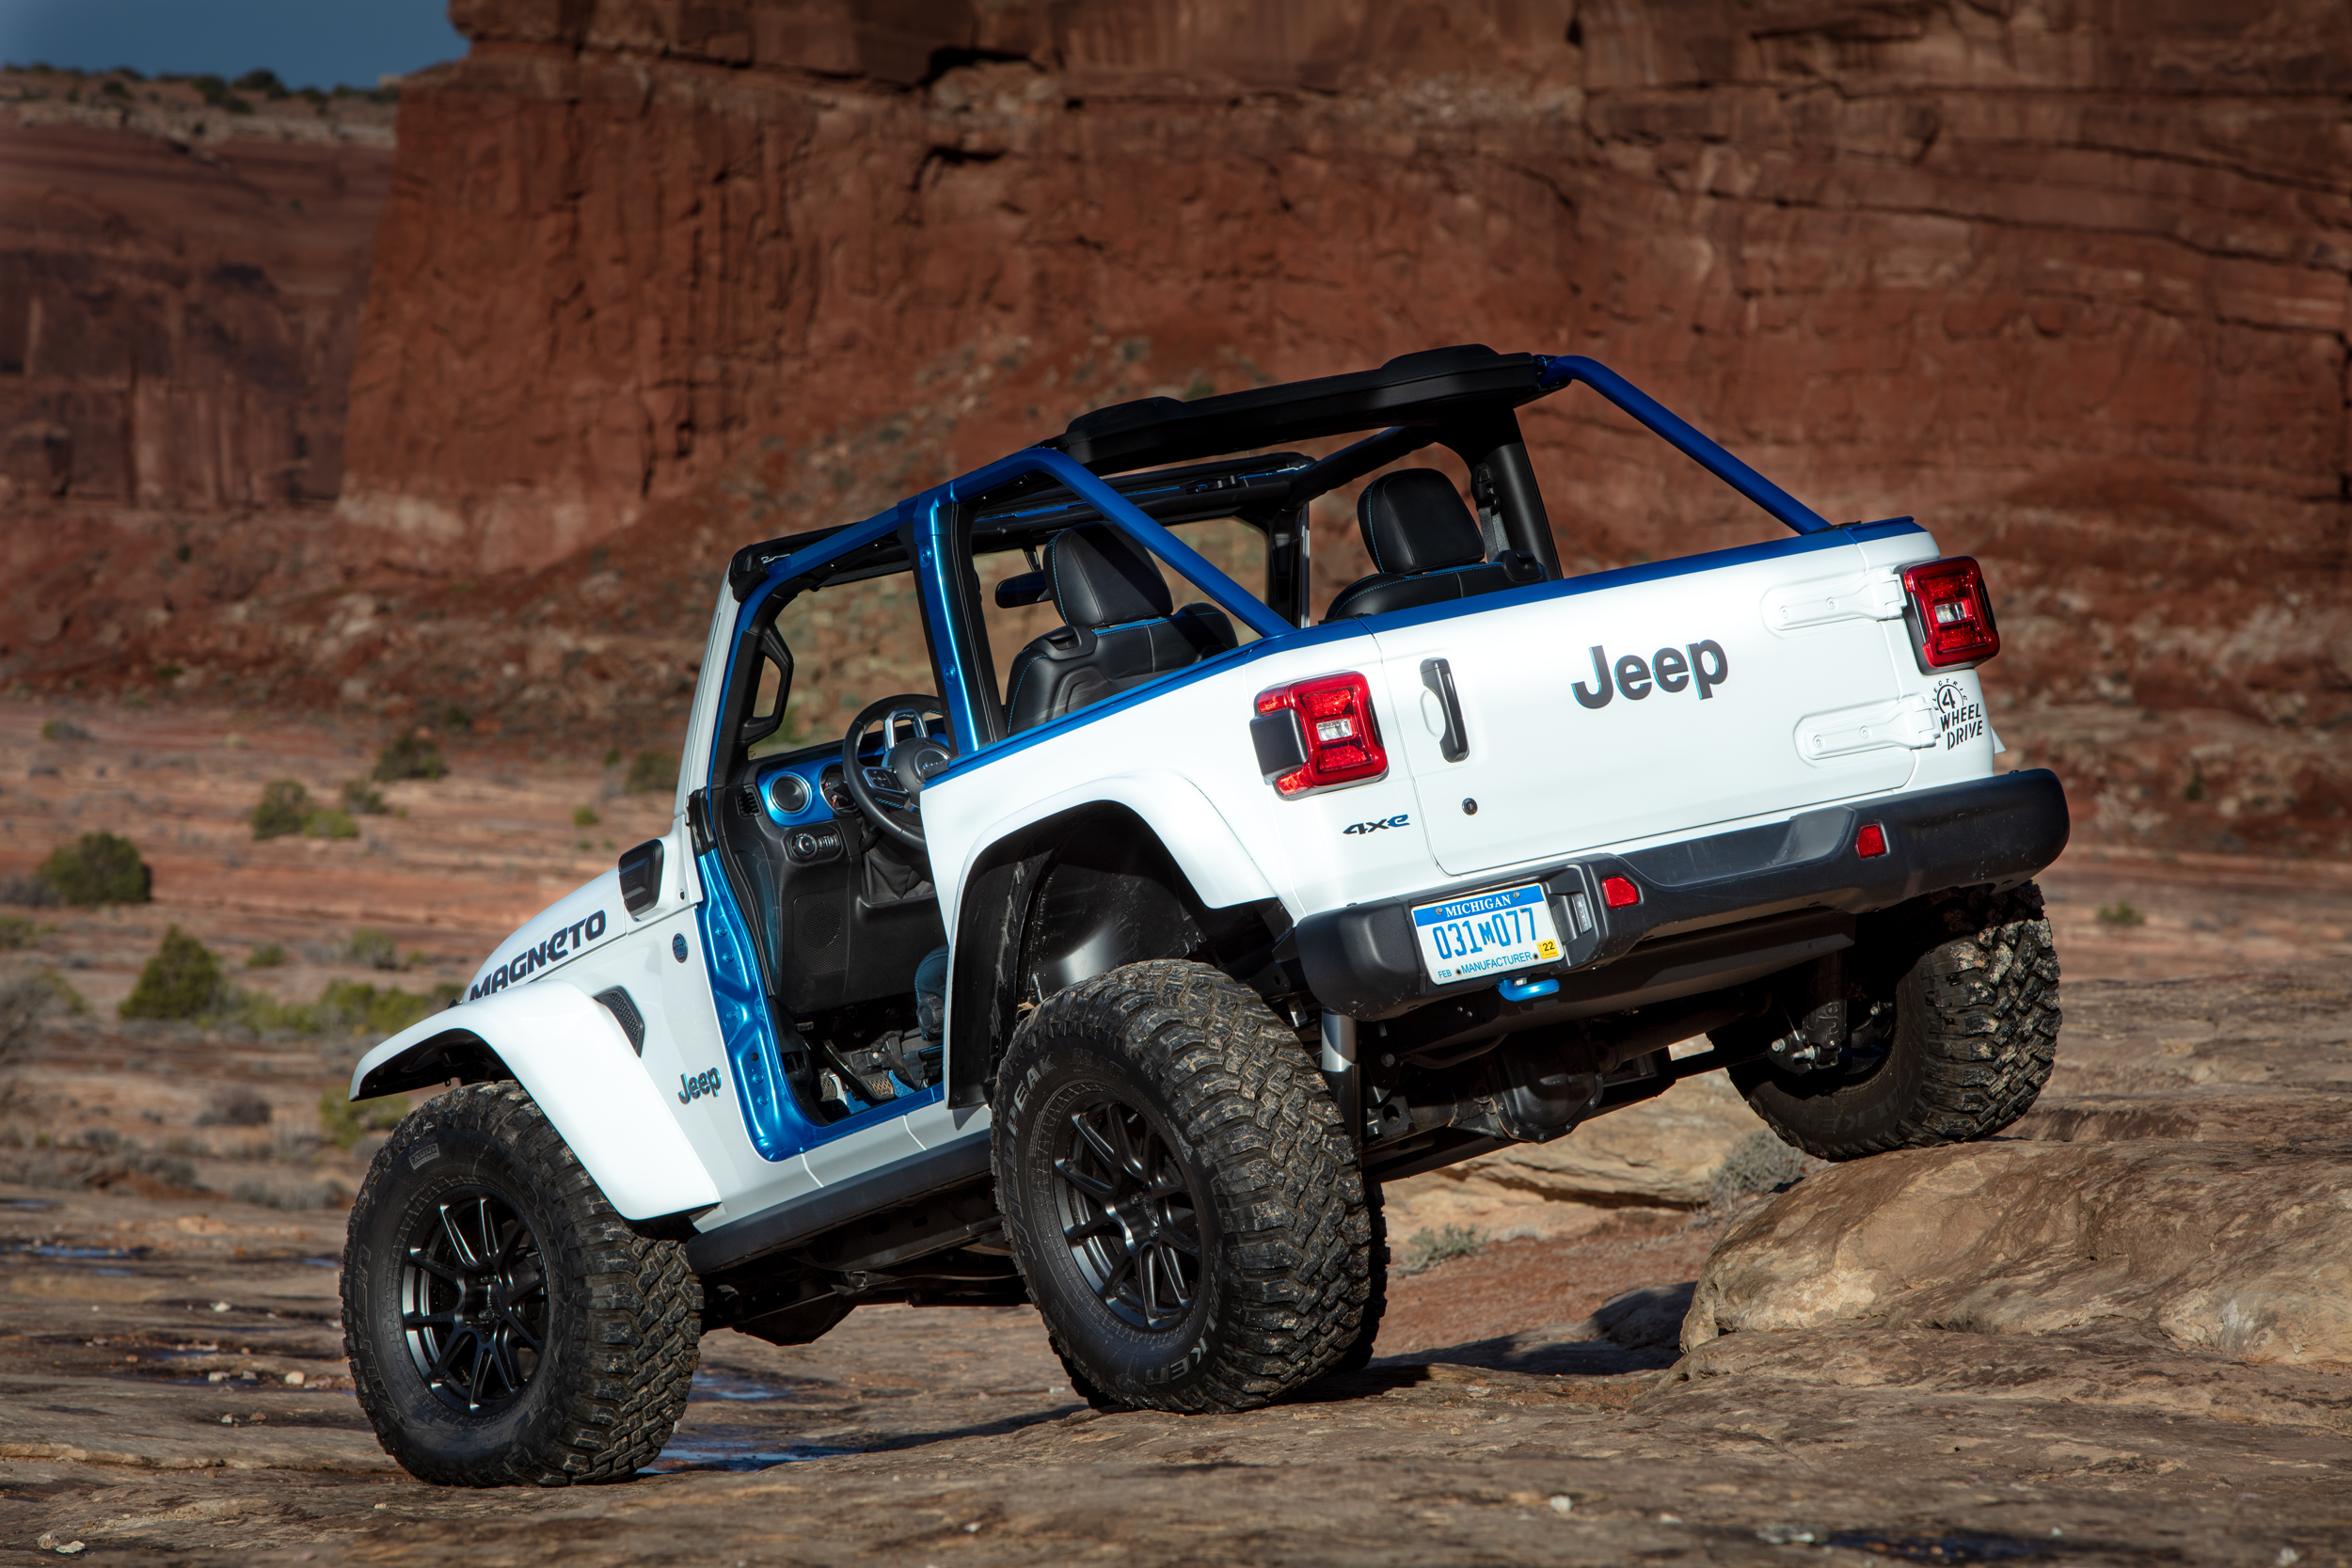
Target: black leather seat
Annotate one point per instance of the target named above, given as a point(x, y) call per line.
point(1427, 547)
point(1119, 631)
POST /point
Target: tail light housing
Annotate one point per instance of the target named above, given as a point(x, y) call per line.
point(1318, 735)
point(1950, 614)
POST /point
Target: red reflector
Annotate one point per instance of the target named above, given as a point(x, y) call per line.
point(1870, 841)
point(1951, 618)
point(1336, 731)
point(1618, 891)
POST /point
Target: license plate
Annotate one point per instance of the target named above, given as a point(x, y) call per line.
point(1491, 933)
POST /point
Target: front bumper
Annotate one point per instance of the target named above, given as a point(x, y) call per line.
point(1364, 961)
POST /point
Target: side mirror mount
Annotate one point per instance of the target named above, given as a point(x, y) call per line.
point(640, 877)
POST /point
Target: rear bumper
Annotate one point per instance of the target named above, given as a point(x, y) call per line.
point(1364, 961)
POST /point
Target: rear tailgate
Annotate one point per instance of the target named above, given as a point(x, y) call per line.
point(1659, 701)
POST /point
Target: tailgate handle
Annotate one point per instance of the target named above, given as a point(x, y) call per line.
point(1437, 675)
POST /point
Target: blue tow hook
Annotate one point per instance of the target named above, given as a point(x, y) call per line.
point(1519, 988)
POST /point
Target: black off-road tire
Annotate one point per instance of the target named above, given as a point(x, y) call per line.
point(619, 1317)
point(1226, 1117)
point(1358, 1353)
point(1974, 979)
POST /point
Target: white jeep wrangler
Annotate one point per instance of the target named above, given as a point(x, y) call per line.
point(1116, 970)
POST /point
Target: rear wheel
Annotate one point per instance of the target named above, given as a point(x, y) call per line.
point(1973, 979)
point(1180, 1191)
point(504, 1326)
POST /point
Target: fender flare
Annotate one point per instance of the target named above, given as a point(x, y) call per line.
point(568, 1052)
point(1194, 833)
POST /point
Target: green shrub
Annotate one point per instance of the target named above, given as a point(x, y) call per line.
point(410, 756)
point(651, 773)
point(373, 949)
point(363, 802)
point(284, 809)
point(331, 823)
point(2120, 914)
point(15, 932)
point(585, 817)
point(612, 757)
point(270, 955)
point(1429, 1248)
point(182, 980)
point(63, 729)
point(98, 869)
point(345, 1124)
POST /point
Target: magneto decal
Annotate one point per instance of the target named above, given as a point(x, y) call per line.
point(565, 941)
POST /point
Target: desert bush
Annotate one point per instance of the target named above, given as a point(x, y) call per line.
point(651, 773)
point(331, 823)
point(360, 800)
point(2121, 915)
point(345, 1007)
point(283, 810)
point(270, 955)
point(98, 869)
point(1759, 1162)
point(373, 949)
point(1429, 1248)
point(26, 1003)
point(15, 932)
point(235, 1106)
point(585, 817)
point(63, 729)
point(612, 756)
point(410, 756)
point(264, 82)
point(182, 980)
point(345, 1124)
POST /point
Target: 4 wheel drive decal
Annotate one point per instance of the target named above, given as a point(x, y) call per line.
point(1704, 665)
point(1956, 718)
point(561, 943)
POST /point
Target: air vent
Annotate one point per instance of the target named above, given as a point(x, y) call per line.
point(623, 1010)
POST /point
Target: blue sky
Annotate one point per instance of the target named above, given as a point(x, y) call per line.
point(308, 42)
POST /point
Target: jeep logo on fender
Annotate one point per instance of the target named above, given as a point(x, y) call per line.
point(1704, 665)
point(704, 1082)
point(1397, 821)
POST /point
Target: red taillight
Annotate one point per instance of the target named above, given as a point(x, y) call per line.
point(1870, 842)
point(1951, 614)
point(1337, 739)
point(1619, 892)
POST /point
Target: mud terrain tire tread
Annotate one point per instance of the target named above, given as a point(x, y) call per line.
point(1977, 1026)
point(610, 1392)
point(1292, 1268)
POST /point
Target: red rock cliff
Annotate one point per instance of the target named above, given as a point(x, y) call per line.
point(179, 296)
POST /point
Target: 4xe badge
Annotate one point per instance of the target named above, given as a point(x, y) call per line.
point(1957, 718)
point(707, 1082)
point(1397, 821)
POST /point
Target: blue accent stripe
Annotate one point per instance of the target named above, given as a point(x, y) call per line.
point(1554, 373)
point(1334, 631)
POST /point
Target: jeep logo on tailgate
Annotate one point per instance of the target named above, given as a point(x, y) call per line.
point(1700, 664)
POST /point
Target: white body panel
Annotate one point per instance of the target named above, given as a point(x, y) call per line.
point(569, 1052)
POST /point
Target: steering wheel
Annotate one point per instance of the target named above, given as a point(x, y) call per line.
point(913, 749)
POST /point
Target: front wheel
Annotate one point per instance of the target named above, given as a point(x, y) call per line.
point(1181, 1192)
point(504, 1326)
point(1974, 983)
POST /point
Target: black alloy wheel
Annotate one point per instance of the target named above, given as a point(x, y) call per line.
point(473, 1300)
point(1128, 1213)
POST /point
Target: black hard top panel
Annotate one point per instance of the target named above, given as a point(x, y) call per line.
point(1433, 386)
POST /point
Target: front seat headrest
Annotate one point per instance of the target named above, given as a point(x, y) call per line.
point(1414, 520)
point(1100, 579)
